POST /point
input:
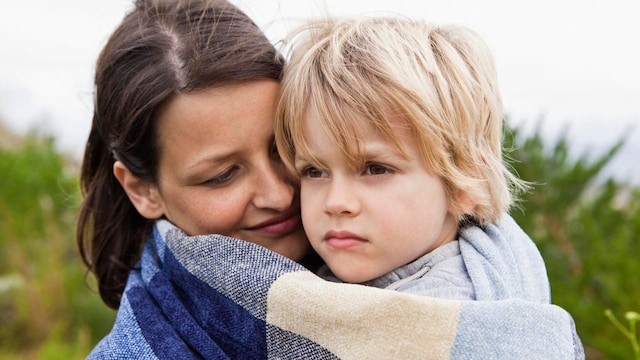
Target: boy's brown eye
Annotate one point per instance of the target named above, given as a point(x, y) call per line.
point(376, 169)
point(312, 172)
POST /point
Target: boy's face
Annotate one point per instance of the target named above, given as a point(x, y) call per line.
point(368, 221)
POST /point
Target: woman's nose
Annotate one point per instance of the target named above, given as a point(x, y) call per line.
point(275, 188)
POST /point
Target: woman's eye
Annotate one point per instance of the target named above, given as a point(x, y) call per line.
point(273, 151)
point(376, 169)
point(221, 178)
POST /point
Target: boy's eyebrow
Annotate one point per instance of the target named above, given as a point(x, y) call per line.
point(382, 151)
point(379, 152)
point(300, 157)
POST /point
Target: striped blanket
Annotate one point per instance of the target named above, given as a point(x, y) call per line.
point(215, 297)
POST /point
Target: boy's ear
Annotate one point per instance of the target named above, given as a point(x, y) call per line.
point(463, 205)
point(143, 195)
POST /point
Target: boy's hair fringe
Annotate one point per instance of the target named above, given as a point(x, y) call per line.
point(440, 81)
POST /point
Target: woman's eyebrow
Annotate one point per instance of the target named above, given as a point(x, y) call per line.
point(209, 158)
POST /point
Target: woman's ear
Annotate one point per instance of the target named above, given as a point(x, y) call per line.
point(143, 195)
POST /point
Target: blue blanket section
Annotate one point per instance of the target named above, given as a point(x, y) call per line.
point(523, 321)
point(504, 263)
point(197, 313)
point(169, 313)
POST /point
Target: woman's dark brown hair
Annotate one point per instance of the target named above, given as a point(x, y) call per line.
point(161, 49)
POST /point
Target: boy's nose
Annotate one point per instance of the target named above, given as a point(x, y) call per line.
point(341, 198)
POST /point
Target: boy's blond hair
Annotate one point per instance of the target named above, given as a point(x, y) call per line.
point(439, 80)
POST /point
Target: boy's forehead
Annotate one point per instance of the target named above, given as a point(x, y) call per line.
point(349, 130)
point(338, 113)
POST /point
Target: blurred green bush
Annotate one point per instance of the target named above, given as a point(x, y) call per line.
point(586, 227)
point(46, 308)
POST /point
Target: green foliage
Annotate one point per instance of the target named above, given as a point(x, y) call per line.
point(45, 306)
point(629, 332)
point(586, 228)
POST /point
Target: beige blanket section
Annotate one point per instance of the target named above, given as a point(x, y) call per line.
point(358, 322)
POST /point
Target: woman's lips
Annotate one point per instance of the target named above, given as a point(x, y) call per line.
point(280, 225)
point(343, 239)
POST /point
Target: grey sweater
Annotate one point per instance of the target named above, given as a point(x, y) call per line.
point(440, 273)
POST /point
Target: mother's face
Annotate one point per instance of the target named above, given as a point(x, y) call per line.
point(219, 171)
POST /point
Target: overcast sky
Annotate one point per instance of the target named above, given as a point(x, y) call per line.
point(573, 62)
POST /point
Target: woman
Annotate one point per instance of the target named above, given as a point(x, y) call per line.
point(180, 88)
point(181, 146)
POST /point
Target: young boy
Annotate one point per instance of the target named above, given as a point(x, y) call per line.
point(394, 127)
